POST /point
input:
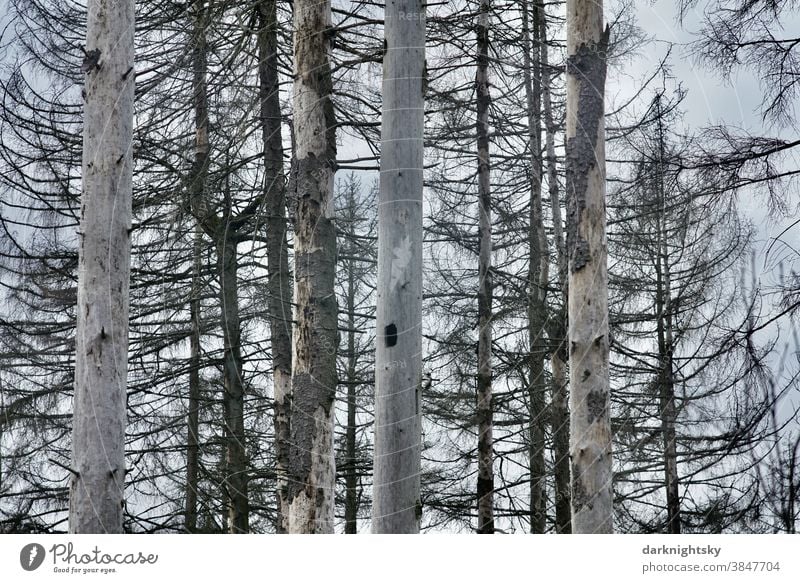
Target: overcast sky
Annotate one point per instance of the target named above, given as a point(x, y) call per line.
point(712, 100)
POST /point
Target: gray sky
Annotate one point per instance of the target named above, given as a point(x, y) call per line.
point(711, 100)
point(734, 102)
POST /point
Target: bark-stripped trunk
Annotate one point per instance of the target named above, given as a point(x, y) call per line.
point(350, 476)
point(557, 331)
point(311, 472)
point(590, 426)
point(666, 382)
point(101, 341)
point(537, 275)
point(484, 385)
point(193, 417)
point(279, 287)
point(397, 506)
point(233, 387)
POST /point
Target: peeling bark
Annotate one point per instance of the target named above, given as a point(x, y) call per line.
point(310, 465)
point(590, 426)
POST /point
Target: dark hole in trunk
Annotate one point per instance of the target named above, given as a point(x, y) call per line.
point(391, 335)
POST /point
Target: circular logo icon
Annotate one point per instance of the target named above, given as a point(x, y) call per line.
point(31, 556)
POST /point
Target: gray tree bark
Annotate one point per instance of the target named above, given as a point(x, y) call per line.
point(590, 426)
point(667, 393)
point(311, 472)
point(397, 506)
point(236, 478)
point(279, 289)
point(664, 332)
point(484, 382)
point(225, 238)
point(351, 477)
point(538, 273)
point(557, 331)
point(101, 342)
point(193, 417)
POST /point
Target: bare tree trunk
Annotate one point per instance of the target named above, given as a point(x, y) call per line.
point(193, 418)
point(484, 385)
point(311, 472)
point(559, 414)
point(233, 387)
point(397, 506)
point(351, 478)
point(667, 397)
point(790, 521)
point(101, 359)
point(560, 429)
point(225, 239)
point(279, 288)
point(665, 347)
point(537, 274)
point(590, 426)
point(196, 189)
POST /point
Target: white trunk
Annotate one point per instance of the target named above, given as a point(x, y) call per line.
point(101, 343)
point(311, 467)
point(590, 427)
point(398, 361)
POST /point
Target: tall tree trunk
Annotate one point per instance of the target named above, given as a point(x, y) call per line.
point(225, 239)
point(484, 385)
point(279, 288)
point(667, 396)
point(101, 341)
point(665, 345)
point(557, 331)
point(590, 425)
point(196, 190)
point(311, 472)
point(197, 204)
point(397, 506)
point(350, 477)
point(537, 274)
point(233, 386)
point(790, 519)
point(193, 417)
